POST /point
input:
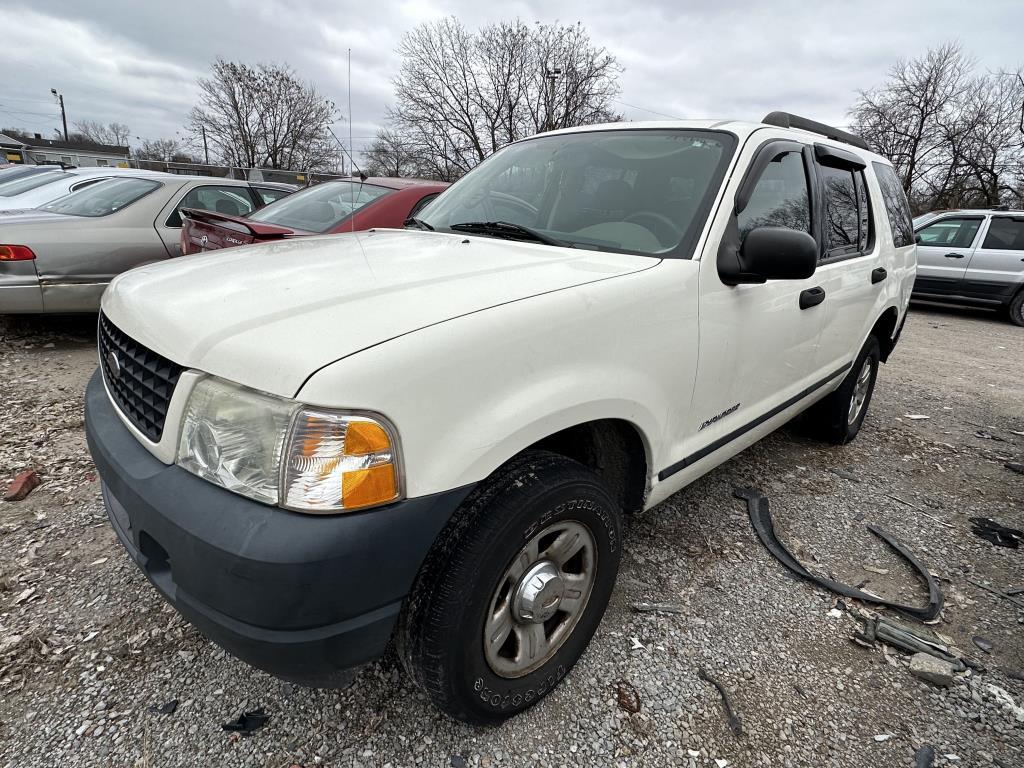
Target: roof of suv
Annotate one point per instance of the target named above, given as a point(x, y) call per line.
point(741, 128)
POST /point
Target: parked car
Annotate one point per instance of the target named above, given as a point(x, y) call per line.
point(973, 257)
point(60, 257)
point(313, 446)
point(333, 206)
point(12, 171)
point(34, 191)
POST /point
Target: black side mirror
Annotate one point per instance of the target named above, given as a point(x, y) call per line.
point(918, 240)
point(777, 253)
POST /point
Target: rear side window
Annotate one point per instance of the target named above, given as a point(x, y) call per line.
point(268, 195)
point(233, 201)
point(897, 208)
point(847, 212)
point(950, 233)
point(780, 197)
point(422, 203)
point(1005, 234)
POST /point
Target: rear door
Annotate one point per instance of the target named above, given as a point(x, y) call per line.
point(996, 268)
point(944, 250)
point(233, 200)
point(852, 262)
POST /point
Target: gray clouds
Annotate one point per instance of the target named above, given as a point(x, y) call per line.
point(136, 63)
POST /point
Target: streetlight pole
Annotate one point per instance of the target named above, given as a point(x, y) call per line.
point(552, 75)
point(64, 118)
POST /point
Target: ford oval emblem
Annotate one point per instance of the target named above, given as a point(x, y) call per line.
point(113, 365)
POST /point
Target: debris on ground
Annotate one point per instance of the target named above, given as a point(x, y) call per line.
point(167, 708)
point(915, 416)
point(735, 724)
point(845, 474)
point(1013, 466)
point(657, 607)
point(1005, 701)
point(883, 737)
point(22, 485)
point(924, 757)
point(932, 669)
point(761, 519)
point(627, 696)
point(880, 629)
point(982, 643)
point(996, 533)
point(247, 722)
point(998, 593)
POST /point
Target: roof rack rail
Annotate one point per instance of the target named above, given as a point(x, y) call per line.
point(787, 120)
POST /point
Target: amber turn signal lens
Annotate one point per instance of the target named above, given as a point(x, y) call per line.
point(366, 487)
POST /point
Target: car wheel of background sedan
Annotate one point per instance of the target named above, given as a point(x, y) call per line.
point(511, 594)
point(838, 417)
point(1016, 309)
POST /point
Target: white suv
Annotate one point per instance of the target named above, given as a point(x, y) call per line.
point(433, 434)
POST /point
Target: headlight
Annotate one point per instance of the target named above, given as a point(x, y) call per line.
point(278, 452)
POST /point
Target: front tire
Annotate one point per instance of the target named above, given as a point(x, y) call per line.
point(511, 594)
point(838, 417)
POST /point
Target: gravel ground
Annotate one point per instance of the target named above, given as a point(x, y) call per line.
point(86, 646)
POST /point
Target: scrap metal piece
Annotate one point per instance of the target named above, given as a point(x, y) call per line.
point(761, 519)
point(735, 724)
point(912, 640)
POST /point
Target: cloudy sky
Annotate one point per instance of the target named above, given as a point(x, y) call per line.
point(136, 62)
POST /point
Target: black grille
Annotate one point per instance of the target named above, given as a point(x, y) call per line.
point(143, 386)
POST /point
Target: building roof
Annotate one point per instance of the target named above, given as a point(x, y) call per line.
point(36, 141)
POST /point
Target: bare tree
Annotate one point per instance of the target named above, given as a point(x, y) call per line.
point(264, 116)
point(158, 149)
point(114, 134)
point(955, 138)
point(462, 95)
point(391, 155)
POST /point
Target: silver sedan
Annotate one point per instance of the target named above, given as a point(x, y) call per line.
point(60, 257)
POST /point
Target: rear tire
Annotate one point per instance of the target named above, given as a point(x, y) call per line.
point(513, 590)
point(838, 417)
point(1016, 309)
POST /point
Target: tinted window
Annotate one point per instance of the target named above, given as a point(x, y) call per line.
point(637, 191)
point(270, 194)
point(1005, 234)
point(233, 201)
point(842, 218)
point(780, 197)
point(951, 233)
point(897, 208)
point(321, 207)
point(102, 199)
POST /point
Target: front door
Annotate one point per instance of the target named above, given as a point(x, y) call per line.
point(757, 346)
point(944, 249)
point(996, 268)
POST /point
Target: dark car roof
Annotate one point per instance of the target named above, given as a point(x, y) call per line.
point(394, 182)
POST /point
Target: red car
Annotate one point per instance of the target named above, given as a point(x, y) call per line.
point(330, 207)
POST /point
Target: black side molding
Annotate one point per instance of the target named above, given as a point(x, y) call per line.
point(721, 442)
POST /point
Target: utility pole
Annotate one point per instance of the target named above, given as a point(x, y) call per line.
point(551, 75)
point(206, 151)
point(64, 118)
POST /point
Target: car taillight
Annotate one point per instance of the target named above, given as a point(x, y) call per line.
point(16, 253)
point(184, 241)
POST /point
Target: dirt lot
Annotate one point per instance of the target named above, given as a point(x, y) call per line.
point(86, 646)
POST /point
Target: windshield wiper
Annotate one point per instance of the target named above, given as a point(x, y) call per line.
point(412, 221)
point(508, 230)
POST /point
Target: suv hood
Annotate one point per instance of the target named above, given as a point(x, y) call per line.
point(268, 316)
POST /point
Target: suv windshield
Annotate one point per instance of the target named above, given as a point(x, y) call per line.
point(319, 208)
point(26, 183)
point(103, 198)
point(633, 191)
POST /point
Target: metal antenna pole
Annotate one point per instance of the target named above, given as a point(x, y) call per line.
point(352, 189)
